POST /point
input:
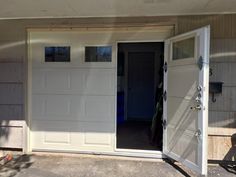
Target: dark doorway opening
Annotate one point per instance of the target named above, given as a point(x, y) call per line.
point(139, 95)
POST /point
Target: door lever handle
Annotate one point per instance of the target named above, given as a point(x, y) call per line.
point(197, 108)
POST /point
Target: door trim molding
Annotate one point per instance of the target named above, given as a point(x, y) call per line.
point(127, 151)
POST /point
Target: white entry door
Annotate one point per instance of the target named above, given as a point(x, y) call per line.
point(186, 81)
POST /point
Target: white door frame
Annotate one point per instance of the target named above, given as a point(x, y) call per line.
point(28, 95)
point(141, 153)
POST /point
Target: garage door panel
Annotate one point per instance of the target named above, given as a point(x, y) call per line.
point(74, 118)
point(70, 134)
point(181, 115)
point(38, 80)
point(58, 107)
point(184, 143)
point(102, 139)
point(73, 107)
point(55, 126)
point(99, 106)
point(55, 140)
point(74, 81)
point(58, 81)
point(97, 134)
point(186, 74)
point(57, 137)
point(100, 82)
point(72, 126)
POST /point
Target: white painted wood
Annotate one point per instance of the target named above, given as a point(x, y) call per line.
point(181, 81)
point(11, 137)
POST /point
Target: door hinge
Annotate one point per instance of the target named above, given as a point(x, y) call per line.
point(200, 62)
point(165, 95)
point(165, 67)
point(164, 124)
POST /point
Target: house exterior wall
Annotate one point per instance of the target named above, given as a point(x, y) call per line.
point(222, 115)
point(13, 68)
point(12, 83)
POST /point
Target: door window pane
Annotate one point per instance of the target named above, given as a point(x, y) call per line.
point(57, 54)
point(183, 49)
point(98, 54)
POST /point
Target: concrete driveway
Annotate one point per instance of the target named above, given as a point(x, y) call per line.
point(73, 165)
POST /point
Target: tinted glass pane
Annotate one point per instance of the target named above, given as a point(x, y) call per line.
point(183, 49)
point(98, 54)
point(57, 54)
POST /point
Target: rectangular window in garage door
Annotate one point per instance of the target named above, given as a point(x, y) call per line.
point(57, 54)
point(98, 53)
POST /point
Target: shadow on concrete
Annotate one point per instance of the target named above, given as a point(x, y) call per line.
point(16, 165)
point(229, 167)
point(172, 163)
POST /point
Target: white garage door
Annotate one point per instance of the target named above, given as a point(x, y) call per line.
point(73, 102)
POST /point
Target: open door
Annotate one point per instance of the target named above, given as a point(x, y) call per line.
point(185, 116)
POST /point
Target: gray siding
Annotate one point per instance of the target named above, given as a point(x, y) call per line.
point(12, 84)
point(222, 113)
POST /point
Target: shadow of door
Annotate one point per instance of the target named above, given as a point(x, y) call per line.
point(229, 161)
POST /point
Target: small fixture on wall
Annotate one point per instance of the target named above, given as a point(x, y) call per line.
point(215, 88)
